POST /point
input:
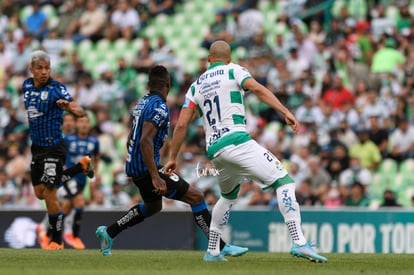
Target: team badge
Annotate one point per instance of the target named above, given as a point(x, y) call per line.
point(44, 95)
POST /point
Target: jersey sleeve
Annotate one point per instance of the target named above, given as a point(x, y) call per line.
point(96, 147)
point(62, 92)
point(158, 115)
point(25, 89)
point(24, 86)
point(241, 74)
point(189, 99)
point(66, 139)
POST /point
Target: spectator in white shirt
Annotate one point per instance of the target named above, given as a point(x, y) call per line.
point(251, 21)
point(380, 23)
point(402, 140)
point(355, 173)
point(126, 20)
point(91, 22)
point(8, 190)
point(6, 57)
point(296, 64)
point(308, 111)
point(87, 93)
point(373, 106)
point(281, 47)
point(306, 48)
point(346, 135)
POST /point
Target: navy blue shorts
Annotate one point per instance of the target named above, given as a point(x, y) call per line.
point(72, 188)
point(47, 165)
point(176, 187)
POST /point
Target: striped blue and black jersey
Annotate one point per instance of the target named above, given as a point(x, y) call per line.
point(77, 148)
point(45, 117)
point(152, 107)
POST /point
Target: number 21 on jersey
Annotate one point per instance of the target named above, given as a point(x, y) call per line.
point(213, 110)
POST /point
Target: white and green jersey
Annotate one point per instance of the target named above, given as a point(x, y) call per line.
point(218, 97)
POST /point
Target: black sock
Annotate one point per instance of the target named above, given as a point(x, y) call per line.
point(56, 227)
point(131, 218)
point(203, 220)
point(77, 221)
point(69, 173)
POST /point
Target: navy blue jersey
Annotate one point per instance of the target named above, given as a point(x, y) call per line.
point(45, 117)
point(77, 148)
point(152, 107)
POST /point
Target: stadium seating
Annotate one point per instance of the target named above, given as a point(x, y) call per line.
point(103, 46)
point(388, 168)
point(407, 167)
point(84, 48)
point(183, 31)
point(396, 177)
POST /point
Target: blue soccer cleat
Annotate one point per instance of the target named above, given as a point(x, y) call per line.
point(105, 240)
point(210, 258)
point(233, 250)
point(306, 251)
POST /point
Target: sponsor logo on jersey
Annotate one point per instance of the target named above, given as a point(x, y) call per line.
point(209, 74)
point(33, 112)
point(161, 112)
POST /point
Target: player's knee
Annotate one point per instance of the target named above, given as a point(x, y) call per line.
point(39, 195)
point(39, 192)
point(79, 201)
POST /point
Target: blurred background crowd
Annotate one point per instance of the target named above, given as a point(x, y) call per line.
point(345, 68)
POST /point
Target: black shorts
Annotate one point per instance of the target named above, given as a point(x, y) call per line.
point(72, 188)
point(176, 187)
point(47, 165)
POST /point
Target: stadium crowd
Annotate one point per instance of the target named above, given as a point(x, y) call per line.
point(348, 77)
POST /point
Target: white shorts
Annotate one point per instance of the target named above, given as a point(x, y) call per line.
point(247, 160)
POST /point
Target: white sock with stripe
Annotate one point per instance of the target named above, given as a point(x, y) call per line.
point(219, 218)
point(290, 210)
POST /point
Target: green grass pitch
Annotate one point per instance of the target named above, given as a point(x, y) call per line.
point(149, 262)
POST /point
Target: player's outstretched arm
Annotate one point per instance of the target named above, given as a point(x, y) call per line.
point(180, 131)
point(266, 96)
point(71, 107)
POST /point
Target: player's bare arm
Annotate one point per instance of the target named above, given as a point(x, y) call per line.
point(266, 96)
point(95, 161)
point(149, 130)
point(180, 131)
point(71, 107)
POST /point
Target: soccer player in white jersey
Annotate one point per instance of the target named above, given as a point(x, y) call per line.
point(217, 95)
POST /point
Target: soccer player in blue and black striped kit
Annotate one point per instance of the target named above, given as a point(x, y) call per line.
point(45, 100)
point(79, 144)
point(149, 130)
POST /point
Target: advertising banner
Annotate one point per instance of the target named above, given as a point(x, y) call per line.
point(165, 230)
point(337, 231)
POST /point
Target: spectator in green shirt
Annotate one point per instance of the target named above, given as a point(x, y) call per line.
point(387, 59)
point(357, 196)
point(366, 150)
point(126, 76)
point(404, 16)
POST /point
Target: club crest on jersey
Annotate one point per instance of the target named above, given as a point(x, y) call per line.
point(279, 165)
point(44, 95)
